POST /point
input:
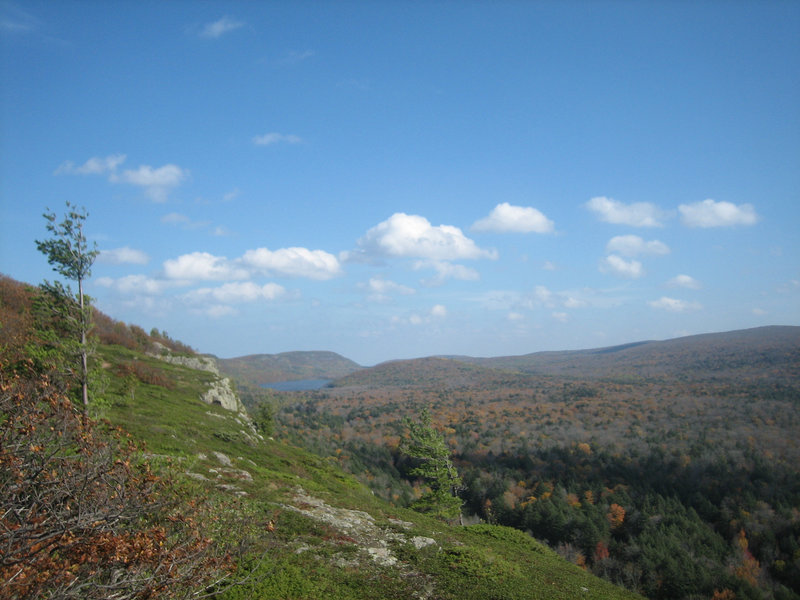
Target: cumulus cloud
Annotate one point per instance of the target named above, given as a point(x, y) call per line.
point(136, 285)
point(413, 236)
point(633, 245)
point(674, 305)
point(381, 290)
point(93, 166)
point(439, 311)
point(202, 266)
point(616, 265)
point(236, 292)
point(123, 256)
point(219, 28)
point(157, 183)
point(294, 262)
point(684, 281)
point(710, 213)
point(268, 139)
point(446, 270)
point(638, 214)
point(506, 218)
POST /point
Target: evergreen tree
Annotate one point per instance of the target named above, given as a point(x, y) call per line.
point(434, 465)
point(69, 253)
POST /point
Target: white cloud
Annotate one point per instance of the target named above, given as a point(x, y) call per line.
point(413, 236)
point(759, 312)
point(202, 266)
point(294, 57)
point(674, 305)
point(381, 290)
point(684, 281)
point(268, 139)
point(135, 285)
point(561, 317)
point(506, 218)
point(238, 291)
point(123, 256)
point(185, 222)
point(515, 316)
point(638, 214)
point(572, 302)
point(616, 265)
point(439, 311)
point(543, 297)
point(446, 270)
point(14, 20)
point(221, 27)
point(710, 213)
point(156, 182)
point(93, 166)
point(221, 231)
point(232, 195)
point(175, 218)
point(633, 245)
point(294, 262)
point(216, 311)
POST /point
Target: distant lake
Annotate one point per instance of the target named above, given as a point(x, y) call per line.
point(299, 385)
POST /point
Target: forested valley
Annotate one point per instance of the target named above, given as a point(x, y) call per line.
point(671, 470)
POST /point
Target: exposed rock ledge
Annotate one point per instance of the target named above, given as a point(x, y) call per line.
point(219, 392)
point(201, 363)
point(360, 527)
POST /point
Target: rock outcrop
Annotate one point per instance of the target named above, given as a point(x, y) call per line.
point(221, 393)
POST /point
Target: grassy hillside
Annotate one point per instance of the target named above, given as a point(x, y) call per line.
point(330, 536)
point(297, 526)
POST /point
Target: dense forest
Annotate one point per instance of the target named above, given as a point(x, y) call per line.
point(676, 483)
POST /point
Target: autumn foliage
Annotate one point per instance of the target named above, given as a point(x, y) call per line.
point(84, 515)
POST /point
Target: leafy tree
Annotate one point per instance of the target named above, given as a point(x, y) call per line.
point(69, 253)
point(434, 465)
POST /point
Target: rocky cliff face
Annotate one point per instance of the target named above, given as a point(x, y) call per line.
point(220, 392)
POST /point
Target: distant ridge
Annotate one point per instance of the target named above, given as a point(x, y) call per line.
point(751, 352)
point(763, 352)
point(259, 369)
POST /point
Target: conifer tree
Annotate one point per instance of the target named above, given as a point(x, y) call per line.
point(69, 253)
point(434, 465)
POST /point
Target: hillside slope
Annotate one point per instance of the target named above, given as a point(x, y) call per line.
point(325, 534)
point(258, 369)
point(299, 526)
point(771, 353)
point(743, 353)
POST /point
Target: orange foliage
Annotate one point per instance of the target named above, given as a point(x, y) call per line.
point(616, 515)
point(82, 515)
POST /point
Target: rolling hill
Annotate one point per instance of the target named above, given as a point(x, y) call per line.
point(259, 369)
point(750, 354)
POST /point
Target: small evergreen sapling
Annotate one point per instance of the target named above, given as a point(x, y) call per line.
point(434, 465)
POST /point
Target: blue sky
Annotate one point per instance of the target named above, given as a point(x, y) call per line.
point(401, 179)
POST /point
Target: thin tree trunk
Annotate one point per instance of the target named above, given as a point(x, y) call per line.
point(84, 361)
